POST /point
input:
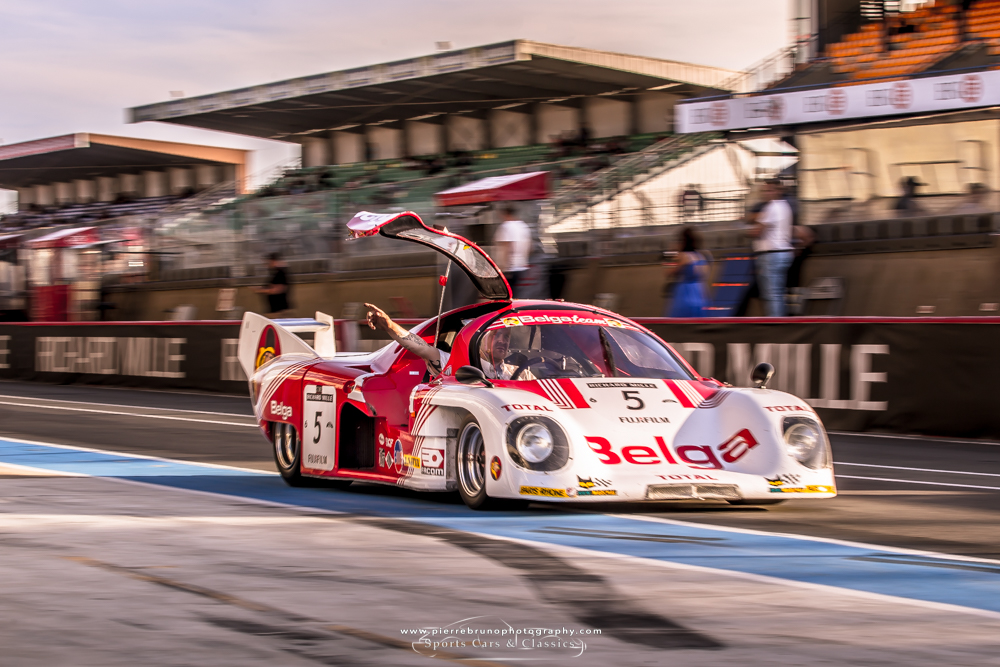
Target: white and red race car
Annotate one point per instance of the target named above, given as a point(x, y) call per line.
point(594, 408)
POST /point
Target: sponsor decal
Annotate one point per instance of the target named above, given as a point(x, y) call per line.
point(432, 458)
point(788, 408)
point(622, 385)
point(836, 102)
point(319, 459)
point(971, 88)
point(381, 439)
point(644, 420)
point(591, 482)
point(496, 468)
point(411, 461)
point(812, 488)
point(781, 480)
point(536, 408)
point(695, 456)
point(320, 396)
point(279, 409)
point(397, 455)
point(528, 320)
point(902, 95)
point(268, 347)
point(543, 492)
point(385, 459)
point(597, 492)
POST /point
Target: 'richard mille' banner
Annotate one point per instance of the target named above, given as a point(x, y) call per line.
point(924, 377)
point(926, 94)
point(907, 375)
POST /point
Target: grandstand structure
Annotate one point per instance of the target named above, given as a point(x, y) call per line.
point(86, 177)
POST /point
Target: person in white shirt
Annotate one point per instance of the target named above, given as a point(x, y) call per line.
point(494, 348)
point(772, 232)
point(513, 247)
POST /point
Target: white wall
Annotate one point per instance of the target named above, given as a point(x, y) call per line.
point(607, 117)
point(551, 121)
point(386, 142)
point(315, 151)
point(349, 147)
point(509, 128)
point(655, 112)
point(466, 133)
point(423, 138)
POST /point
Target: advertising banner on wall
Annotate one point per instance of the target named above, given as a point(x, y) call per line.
point(816, 105)
point(903, 376)
point(151, 355)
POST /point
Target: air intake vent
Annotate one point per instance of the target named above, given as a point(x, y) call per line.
point(693, 492)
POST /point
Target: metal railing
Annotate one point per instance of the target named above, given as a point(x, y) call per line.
point(628, 173)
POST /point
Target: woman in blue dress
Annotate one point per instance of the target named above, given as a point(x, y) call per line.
point(689, 275)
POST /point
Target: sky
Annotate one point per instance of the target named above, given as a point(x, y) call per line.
point(71, 66)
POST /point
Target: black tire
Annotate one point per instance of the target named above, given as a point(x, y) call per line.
point(763, 502)
point(287, 449)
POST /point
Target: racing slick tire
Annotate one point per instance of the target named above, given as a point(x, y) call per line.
point(470, 466)
point(287, 453)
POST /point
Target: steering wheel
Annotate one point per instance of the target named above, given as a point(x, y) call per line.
point(524, 364)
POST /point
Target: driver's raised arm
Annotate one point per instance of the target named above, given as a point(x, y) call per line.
point(379, 321)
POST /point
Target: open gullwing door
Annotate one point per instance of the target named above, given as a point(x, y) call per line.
point(408, 226)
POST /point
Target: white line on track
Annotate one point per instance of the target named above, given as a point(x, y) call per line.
point(950, 472)
point(587, 553)
point(131, 414)
point(913, 481)
point(115, 405)
point(924, 438)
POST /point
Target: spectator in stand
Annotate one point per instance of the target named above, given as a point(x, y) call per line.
point(907, 204)
point(692, 202)
point(277, 287)
point(688, 276)
point(513, 247)
point(771, 229)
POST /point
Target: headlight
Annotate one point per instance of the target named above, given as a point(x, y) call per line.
point(537, 443)
point(534, 443)
point(806, 441)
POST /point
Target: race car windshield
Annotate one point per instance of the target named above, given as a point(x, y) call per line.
point(538, 352)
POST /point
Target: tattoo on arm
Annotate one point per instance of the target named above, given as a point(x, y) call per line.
point(417, 346)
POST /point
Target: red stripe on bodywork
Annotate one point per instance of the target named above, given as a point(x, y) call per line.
point(679, 394)
point(574, 394)
point(706, 389)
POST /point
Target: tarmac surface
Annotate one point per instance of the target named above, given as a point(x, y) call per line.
point(201, 555)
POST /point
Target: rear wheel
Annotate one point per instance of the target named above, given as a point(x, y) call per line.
point(287, 453)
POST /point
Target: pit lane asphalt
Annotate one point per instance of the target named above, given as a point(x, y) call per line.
point(903, 492)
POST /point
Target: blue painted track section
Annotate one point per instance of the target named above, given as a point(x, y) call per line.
point(930, 578)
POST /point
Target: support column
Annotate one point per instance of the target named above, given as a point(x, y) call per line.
point(205, 176)
point(129, 184)
point(45, 195)
point(315, 151)
point(85, 191)
point(107, 188)
point(65, 193)
point(180, 180)
point(25, 198)
point(154, 184)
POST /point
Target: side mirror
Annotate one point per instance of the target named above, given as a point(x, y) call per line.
point(761, 374)
point(471, 375)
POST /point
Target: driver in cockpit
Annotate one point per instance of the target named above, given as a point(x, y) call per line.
point(494, 351)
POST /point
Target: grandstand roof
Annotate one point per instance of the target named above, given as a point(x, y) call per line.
point(85, 156)
point(504, 75)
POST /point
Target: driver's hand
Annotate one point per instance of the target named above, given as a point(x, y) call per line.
point(377, 319)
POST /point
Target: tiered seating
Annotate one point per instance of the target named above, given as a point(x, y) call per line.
point(414, 179)
point(84, 213)
point(931, 34)
point(983, 23)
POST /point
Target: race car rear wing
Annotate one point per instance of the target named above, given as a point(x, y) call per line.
point(262, 339)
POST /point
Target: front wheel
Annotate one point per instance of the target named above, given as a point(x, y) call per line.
point(287, 453)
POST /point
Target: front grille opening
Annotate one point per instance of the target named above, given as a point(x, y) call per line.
point(693, 492)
